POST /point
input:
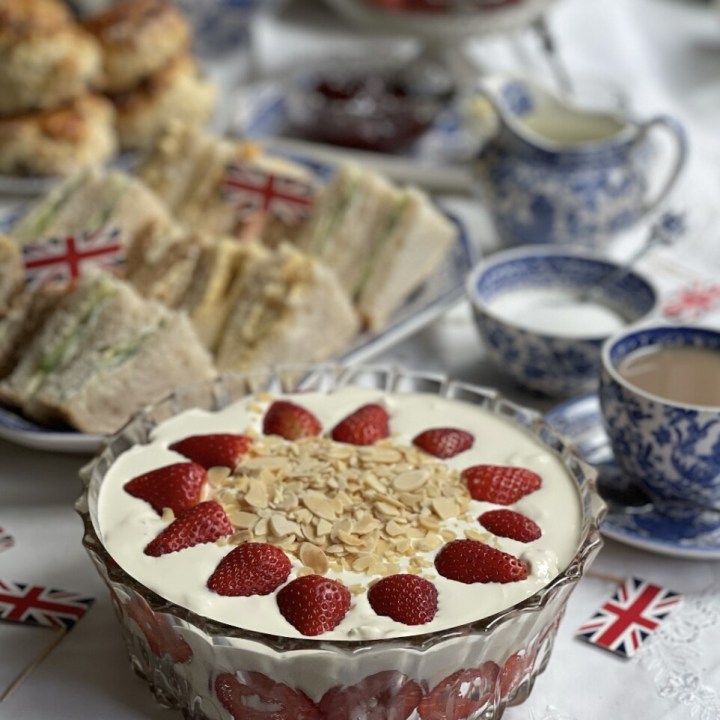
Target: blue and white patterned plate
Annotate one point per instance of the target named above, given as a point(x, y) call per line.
point(437, 295)
point(631, 518)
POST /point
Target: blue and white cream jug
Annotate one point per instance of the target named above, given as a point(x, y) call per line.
point(553, 172)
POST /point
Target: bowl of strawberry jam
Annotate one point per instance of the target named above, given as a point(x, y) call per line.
point(319, 542)
point(375, 109)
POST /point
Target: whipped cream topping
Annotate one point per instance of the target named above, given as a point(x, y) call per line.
point(127, 524)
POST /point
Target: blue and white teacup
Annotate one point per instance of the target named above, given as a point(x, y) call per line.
point(670, 449)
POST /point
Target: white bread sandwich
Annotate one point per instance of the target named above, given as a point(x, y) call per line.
point(285, 306)
point(12, 273)
point(94, 200)
point(102, 354)
point(227, 187)
point(383, 241)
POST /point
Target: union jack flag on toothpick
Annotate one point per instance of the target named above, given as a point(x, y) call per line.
point(629, 617)
point(252, 189)
point(37, 605)
point(40, 607)
point(6, 540)
point(65, 258)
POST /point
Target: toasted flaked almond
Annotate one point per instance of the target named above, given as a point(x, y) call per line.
point(261, 527)
point(394, 529)
point(323, 527)
point(365, 523)
point(257, 494)
point(280, 526)
point(361, 563)
point(168, 515)
point(312, 556)
point(240, 537)
point(335, 549)
point(287, 500)
point(222, 540)
point(269, 462)
point(218, 476)
point(380, 454)
point(403, 545)
point(429, 542)
point(445, 508)
point(428, 522)
point(301, 572)
point(386, 509)
point(410, 480)
point(349, 540)
point(320, 506)
point(473, 534)
point(447, 535)
point(370, 480)
point(356, 589)
point(242, 519)
point(410, 500)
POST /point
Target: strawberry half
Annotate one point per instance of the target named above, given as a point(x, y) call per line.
point(387, 695)
point(407, 599)
point(290, 421)
point(501, 484)
point(250, 569)
point(202, 523)
point(177, 486)
point(219, 449)
point(444, 442)
point(470, 561)
point(463, 694)
point(510, 524)
point(512, 674)
point(159, 633)
point(253, 696)
point(365, 426)
point(313, 604)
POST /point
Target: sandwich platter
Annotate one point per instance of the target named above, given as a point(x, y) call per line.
point(437, 295)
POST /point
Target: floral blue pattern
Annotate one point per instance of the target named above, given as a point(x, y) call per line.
point(576, 190)
point(672, 450)
point(561, 365)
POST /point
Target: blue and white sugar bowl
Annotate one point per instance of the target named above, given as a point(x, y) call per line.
point(660, 400)
point(543, 313)
point(554, 172)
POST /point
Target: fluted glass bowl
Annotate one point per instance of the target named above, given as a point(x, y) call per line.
point(206, 668)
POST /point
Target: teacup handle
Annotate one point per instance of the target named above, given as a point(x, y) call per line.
point(677, 132)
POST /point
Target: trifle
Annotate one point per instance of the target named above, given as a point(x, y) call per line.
point(339, 542)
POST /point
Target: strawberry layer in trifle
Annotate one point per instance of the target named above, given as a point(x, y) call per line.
point(340, 543)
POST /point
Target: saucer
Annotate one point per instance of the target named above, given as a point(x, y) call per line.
point(631, 517)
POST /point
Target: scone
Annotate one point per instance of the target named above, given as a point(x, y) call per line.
point(59, 141)
point(137, 38)
point(176, 91)
point(45, 57)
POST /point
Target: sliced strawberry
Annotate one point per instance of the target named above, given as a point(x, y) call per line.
point(387, 695)
point(219, 449)
point(365, 426)
point(254, 696)
point(250, 569)
point(512, 673)
point(407, 599)
point(444, 442)
point(461, 695)
point(177, 486)
point(313, 604)
point(290, 421)
point(510, 524)
point(202, 523)
point(159, 633)
point(470, 561)
point(501, 484)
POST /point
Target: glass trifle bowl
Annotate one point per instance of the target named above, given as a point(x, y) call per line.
point(392, 544)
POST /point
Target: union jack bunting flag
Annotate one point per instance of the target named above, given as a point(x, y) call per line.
point(64, 259)
point(35, 605)
point(6, 540)
point(252, 189)
point(629, 617)
point(690, 303)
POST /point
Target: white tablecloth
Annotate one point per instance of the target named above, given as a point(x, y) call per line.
point(666, 54)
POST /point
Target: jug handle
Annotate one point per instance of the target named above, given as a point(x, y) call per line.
point(677, 132)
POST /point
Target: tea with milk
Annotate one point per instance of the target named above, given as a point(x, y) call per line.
point(686, 375)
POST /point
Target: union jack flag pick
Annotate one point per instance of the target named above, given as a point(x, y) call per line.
point(6, 540)
point(40, 606)
point(65, 258)
point(251, 189)
point(629, 617)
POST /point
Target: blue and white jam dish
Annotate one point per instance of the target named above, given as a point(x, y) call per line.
point(554, 172)
point(535, 322)
point(632, 519)
point(660, 399)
